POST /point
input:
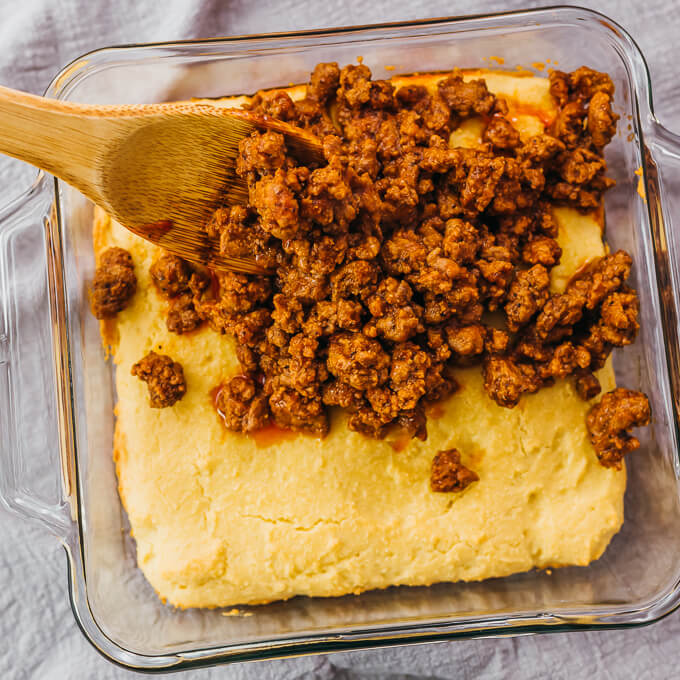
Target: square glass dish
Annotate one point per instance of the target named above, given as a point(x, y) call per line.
point(61, 473)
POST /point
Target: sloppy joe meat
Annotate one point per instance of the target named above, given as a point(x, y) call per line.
point(183, 285)
point(242, 406)
point(164, 378)
point(388, 254)
point(449, 474)
point(114, 283)
point(609, 424)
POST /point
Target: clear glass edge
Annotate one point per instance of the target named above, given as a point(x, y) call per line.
point(15, 496)
point(396, 634)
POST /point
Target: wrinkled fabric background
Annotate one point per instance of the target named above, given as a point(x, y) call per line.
point(38, 635)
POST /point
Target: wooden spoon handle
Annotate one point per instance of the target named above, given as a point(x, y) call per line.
point(70, 140)
point(59, 137)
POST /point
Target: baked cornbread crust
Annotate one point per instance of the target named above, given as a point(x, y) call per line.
point(220, 519)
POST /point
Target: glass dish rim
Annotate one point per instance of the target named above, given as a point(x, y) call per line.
point(380, 635)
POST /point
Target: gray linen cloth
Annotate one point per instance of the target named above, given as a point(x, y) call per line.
point(38, 635)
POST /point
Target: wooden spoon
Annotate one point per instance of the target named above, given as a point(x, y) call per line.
point(160, 170)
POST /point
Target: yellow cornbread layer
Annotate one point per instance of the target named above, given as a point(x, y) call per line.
point(220, 520)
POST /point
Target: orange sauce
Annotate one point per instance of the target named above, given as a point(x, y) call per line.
point(272, 434)
point(401, 442)
point(546, 117)
point(214, 284)
point(641, 184)
point(156, 229)
point(264, 437)
point(214, 396)
point(435, 411)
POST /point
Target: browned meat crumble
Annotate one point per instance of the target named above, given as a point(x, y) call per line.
point(389, 254)
point(241, 406)
point(449, 474)
point(114, 283)
point(165, 379)
point(176, 280)
point(573, 333)
point(609, 424)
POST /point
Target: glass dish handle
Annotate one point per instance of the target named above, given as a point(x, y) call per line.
point(30, 482)
point(661, 175)
point(662, 180)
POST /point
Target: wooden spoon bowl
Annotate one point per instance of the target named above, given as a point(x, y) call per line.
point(160, 170)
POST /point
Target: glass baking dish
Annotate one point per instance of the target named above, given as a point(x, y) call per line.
point(56, 466)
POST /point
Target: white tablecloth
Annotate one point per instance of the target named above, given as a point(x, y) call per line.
point(38, 635)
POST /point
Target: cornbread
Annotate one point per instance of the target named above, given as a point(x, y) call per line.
point(223, 518)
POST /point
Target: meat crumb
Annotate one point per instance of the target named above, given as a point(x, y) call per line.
point(164, 377)
point(114, 283)
point(183, 286)
point(170, 274)
point(241, 406)
point(449, 474)
point(587, 386)
point(609, 423)
point(390, 254)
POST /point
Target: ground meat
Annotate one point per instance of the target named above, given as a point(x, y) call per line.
point(177, 280)
point(355, 85)
point(414, 423)
point(368, 422)
point(240, 235)
point(242, 406)
point(324, 82)
point(601, 120)
point(506, 380)
point(356, 279)
point(587, 386)
point(296, 412)
point(466, 98)
point(338, 393)
point(586, 82)
point(573, 333)
point(609, 423)
point(461, 241)
point(389, 254)
point(542, 250)
point(276, 104)
point(242, 293)
point(466, 341)
point(558, 315)
point(164, 377)
point(407, 375)
point(276, 203)
point(395, 317)
point(501, 134)
point(527, 294)
point(563, 361)
point(114, 283)
point(182, 315)
point(357, 360)
point(584, 117)
point(449, 474)
point(619, 322)
point(568, 124)
point(170, 274)
point(261, 153)
point(412, 95)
